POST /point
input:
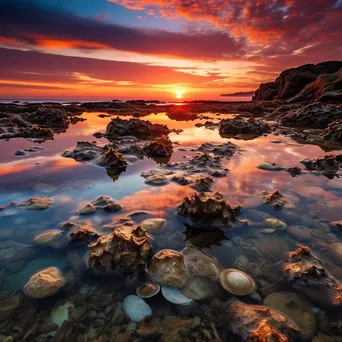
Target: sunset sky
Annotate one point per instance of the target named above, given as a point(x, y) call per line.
point(160, 49)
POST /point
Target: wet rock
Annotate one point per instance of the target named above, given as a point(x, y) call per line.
point(153, 225)
point(218, 173)
point(313, 115)
point(33, 149)
point(44, 283)
point(156, 177)
point(297, 308)
point(301, 233)
point(199, 288)
point(205, 160)
point(128, 247)
point(275, 223)
point(182, 179)
point(103, 203)
point(60, 313)
point(208, 211)
point(241, 126)
point(167, 268)
point(237, 282)
point(306, 274)
point(202, 183)
point(138, 128)
point(337, 224)
point(80, 230)
point(276, 200)
point(334, 131)
point(334, 250)
point(329, 165)
point(269, 167)
point(260, 323)
point(9, 305)
point(51, 238)
point(49, 117)
point(294, 171)
point(106, 156)
point(160, 147)
point(32, 203)
point(147, 290)
point(201, 264)
point(19, 153)
point(224, 150)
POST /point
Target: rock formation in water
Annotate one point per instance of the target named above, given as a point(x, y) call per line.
point(334, 131)
point(128, 247)
point(329, 165)
point(241, 126)
point(276, 200)
point(138, 128)
point(208, 211)
point(321, 82)
point(306, 274)
point(160, 147)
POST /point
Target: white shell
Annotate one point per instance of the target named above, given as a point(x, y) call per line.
point(136, 308)
point(173, 295)
point(238, 279)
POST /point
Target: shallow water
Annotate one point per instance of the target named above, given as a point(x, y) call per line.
point(71, 185)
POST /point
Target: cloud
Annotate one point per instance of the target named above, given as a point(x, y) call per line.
point(53, 28)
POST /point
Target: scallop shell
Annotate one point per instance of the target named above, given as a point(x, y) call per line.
point(174, 295)
point(237, 282)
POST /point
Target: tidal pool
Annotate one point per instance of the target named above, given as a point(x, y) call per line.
point(253, 248)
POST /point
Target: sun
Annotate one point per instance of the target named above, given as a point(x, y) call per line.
point(179, 94)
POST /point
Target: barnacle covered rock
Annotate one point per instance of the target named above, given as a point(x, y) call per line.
point(128, 247)
point(306, 274)
point(208, 210)
point(260, 324)
point(160, 147)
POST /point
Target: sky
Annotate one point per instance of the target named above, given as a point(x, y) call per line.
point(159, 49)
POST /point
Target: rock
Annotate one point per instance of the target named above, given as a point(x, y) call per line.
point(44, 283)
point(208, 211)
point(167, 268)
point(60, 313)
point(329, 165)
point(80, 230)
point(49, 117)
point(223, 150)
point(136, 308)
point(19, 153)
point(306, 274)
point(201, 264)
point(334, 131)
point(104, 203)
point(269, 167)
point(337, 224)
point(313, 115)
point(294, 171)
point(301, 233)
point(160, 147)
point(106, 156)
point(260, 323)
point(199, 288)
point(147, 290)
point(297, 308)
point(276, 200)
point(202, 183)
point(334, 250)
point(138, 128)
point(51, 238)
point(292, 81)
point(32, 203)
point(237, 282)
point(241, 126)
point(128, 247)
point(153, 225)
point(205, 160)
point(275, 223)
point(175, 296)
point(156, 180)
point(9, 305)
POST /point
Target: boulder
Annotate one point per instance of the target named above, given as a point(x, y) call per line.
point(49, 117)
point(334, 131)
point(103, 203)
point(328, 165)
point(276, 200)
point(160, 147)
point(128, 247)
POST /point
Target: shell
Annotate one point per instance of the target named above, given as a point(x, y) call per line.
point(174, 296)
point(147, 290)
point(136, 308)
point(237, 282)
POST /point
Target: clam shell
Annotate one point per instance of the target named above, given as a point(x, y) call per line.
point(237, 282)
point(174, 296)
point(136, 308)
point(147, 290)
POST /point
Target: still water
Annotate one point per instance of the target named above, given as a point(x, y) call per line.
point(71, 185)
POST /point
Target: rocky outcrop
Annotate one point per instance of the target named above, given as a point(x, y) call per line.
point(103, 203)
point(276, 200)
point(128, 247)
point(208, 211)
point(223, 150)
point(49, 117)
point(260, 324)
point(292, 82)
point(314, 115)
point(80, 230)
point(160, 147)
point(306, 274)
point(86, 152)
point(32, 203)
point(138, 128)
point(334, 131)
point(329, 165)
point(241, 126)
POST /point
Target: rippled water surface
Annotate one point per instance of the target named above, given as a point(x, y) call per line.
point(71, 185)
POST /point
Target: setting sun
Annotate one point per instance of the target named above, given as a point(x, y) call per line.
point(179, 94)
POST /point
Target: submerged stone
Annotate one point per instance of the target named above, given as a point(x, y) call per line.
point(104, 203)
point(136, 308)
point(153, 224)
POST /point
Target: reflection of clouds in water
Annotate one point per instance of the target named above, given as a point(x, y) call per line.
point(157, 200)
